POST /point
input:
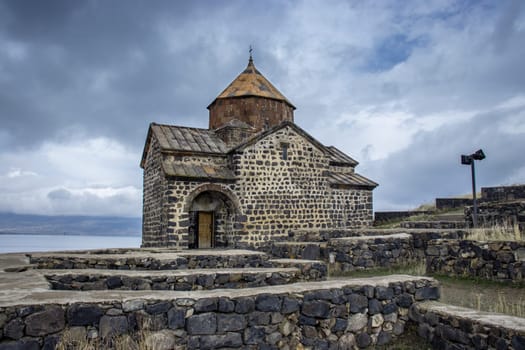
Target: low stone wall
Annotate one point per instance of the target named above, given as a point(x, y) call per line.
point(298, 250)
point(150, 261)
point(452, 203)
point(366, 252)
point(499, 261)
point(437, 225)
point(452, 327)
point(188, 280)
point(320, 315)
point(499, 214)
point(503, 193)
point(382, 217)
point(311, 270)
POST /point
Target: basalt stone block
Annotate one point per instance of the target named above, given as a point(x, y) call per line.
point(340, 325)
point(358, 302)
point(158, 308)
point(384, 293)
point(202, 324)
point(84, 315)
point(114, 282)
point(384, 338)
point(289, 305)
point(259, 318)
point(389, 308)
point(176, 318)
point(254, 335)
point(230, 322)
point(206, 305)
point(226, 305)
point(45, 322)
point(244, 305)
point(268, 302)
point(14, 329)
point(309, 321)
point(24, 344)
point(518, 342)
point(318, 309)
point(405, 300)
point(427, 293)
point(110, 326)
point(228, 340)
point(363, 340)
point(374, 306)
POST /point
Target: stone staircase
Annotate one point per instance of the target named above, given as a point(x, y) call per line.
point(201, 299)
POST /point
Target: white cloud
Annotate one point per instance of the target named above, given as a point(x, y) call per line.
point(78, 176)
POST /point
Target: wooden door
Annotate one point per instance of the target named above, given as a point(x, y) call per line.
point(205, 229)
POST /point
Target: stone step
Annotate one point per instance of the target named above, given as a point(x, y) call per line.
point(433, 224)
point(181, 280)
point(311, 270)
point(154, 259)
point(317, 315)
point(299, 250)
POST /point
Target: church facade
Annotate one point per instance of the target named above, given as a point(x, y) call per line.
point(252, 177)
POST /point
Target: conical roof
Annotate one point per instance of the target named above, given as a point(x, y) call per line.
point(252, 83)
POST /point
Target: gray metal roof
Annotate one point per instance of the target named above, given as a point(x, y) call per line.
point(350, 180)
point(179, 138)
point(206, 172)
point(338, 157)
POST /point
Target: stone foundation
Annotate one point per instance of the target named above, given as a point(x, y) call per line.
point(358, 253)
point(499, 261)
point(453, 327)
point(320, 315)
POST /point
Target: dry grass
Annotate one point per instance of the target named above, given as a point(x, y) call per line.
point(501, 232)
point(502, 305)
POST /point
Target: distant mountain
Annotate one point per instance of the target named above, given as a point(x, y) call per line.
point(69, 225)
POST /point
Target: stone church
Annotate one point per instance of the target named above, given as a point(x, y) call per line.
point(253, 176)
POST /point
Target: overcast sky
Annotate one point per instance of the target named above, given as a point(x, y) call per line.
point(404, 87)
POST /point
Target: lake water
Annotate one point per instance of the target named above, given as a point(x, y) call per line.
point(42, 243)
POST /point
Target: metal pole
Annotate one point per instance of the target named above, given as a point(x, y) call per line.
point(475, 202)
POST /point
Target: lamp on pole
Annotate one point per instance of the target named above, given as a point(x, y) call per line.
point(469, 160)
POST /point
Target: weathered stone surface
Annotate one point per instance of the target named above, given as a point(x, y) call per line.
point(113, 326)
point(427, 293)
point(176, 318)
point(24, 344)
point(226, 305)
point(230, 323)
point(316, 309)
point(363, 340)
point(254, 335)
point(357, 322)
point(244, 305)
point(132, 305)
point(268, 302)
point(45, 322)
point(206, 305)
point(290, 305)
point(374, 306)
point(358, 303)
point(202, 324)
point(158, 308)
point(14, 329)
point(228, 340)
point(84, 315)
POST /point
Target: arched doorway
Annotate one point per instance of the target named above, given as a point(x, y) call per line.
point(212, 213)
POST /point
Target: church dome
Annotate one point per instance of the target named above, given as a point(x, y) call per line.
point(252, 99)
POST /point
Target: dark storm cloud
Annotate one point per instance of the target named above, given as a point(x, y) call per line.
point(109, 68)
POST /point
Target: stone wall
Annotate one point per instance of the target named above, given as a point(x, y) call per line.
point(359, 253)
point(154, 214)
point(383, 217)
point(342, 315)
point(452, 203)
point(499, 261)
point(445, 225)
point(503, 193)
point(281, 195)
point(506, 214)
point(195, 280)
point(452, 327)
